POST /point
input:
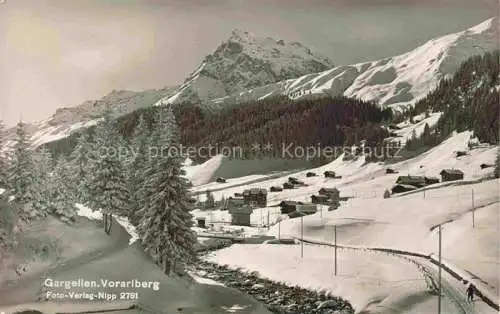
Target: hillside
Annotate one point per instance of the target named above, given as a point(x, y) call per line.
point(396, 82)
point(246, 61)
point(238, 71)
point(374, 281)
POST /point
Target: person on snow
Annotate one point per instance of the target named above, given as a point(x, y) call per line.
point(470, 292)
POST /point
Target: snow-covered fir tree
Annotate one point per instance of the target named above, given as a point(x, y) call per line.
point(41, 189)
point(62, 195)
point(22, 173)
point(210, 201)
point(79, 162)
point(136, 169)
point(165, 224)
point(108, 187)
point(4, 165)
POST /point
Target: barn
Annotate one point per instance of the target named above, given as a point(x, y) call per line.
point(451, 175)
point(329, 174)
point(255, 196)
point(416, 181)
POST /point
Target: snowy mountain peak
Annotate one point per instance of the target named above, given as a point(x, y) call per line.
point(245, 61)
point(396, 82)
point(242, 36)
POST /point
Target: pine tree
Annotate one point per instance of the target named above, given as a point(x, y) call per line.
point(21, 173)
point(41, 189)
point(3, 158)
point(210, 201)
point(62, 197)
point(80, 163)
point(136, 169)
point(165, 225)
point(108, 190)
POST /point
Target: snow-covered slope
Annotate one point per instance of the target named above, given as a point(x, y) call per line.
point(403, 222)
point(243, 62)
point(67, 120)
point(395, 82)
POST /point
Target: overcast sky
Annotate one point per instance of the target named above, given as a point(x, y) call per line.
point(59, 53)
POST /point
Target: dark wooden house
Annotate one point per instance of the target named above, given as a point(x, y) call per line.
point(390, 170)
point(255, 196)
point(400, 188)
point(484, 166)
point(293, 180)
point(329, 174)
point(451, 175)
point(416, 181)
point(332, 193)
point(238, 194)
point(460, 153)
point(201, 222)
point(288, 206)
point(431, 180)
point(240, 216)
point(234, 202)
point(220, 180)
point(320, 199)
point(276, 189)
point(310, 174)
point(288, 185)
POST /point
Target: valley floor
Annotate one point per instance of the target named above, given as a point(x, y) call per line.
point(377, 282)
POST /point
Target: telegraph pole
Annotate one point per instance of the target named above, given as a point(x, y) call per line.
point(439, 272)
point(279, 229)
point(473, 218)
point(335, 246)
point(302, 236)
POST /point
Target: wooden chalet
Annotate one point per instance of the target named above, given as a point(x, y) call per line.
point(240, 216)
point(220, 180)
point(255, 196)
point(400, 188)
point(276, 189)
point(416, 181)
point(484, 166)
point(332, 193)
point(431, 180)
point(310, 174)
point(303, 210)
point(235, 202)
point(320, 199)
point(289, 206)
point(237, 194)
point(390, 170)
point(329, 174)
point(288, 186)
point(451, 175)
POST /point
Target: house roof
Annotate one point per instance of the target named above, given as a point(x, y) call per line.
point(451, 171)
point(255, 191)
point(410, 179)
point(329, 189)
point(319, 196)
point(329, 171)
point(289, 203)
point(431, 178)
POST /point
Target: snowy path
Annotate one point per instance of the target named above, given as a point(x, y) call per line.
point(453, 288)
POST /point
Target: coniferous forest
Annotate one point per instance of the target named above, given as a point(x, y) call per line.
point(469, 100)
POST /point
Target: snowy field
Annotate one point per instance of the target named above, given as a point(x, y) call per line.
point(404, 222)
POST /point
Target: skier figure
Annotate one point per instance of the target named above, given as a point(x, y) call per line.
point(470, 292)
